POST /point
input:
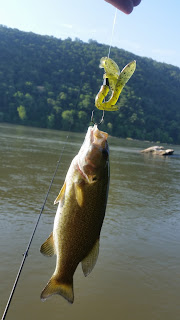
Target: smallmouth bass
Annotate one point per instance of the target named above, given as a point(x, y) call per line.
point(80, 214)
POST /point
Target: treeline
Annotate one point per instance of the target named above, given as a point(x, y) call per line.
point(52, 83)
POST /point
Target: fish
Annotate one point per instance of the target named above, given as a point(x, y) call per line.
point(81, 209)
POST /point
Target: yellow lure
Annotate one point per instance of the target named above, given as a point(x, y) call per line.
point(116, 82)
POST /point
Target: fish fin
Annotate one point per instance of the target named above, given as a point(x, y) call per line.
point(79, 194)
point(47, 247)
point(61, 194)
point(56, 287)
point(89, 261)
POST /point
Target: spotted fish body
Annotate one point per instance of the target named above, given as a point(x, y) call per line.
point(80, 213)
point(116, 81)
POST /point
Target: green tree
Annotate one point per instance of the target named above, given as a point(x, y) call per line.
point(110, 127)
point(50, 121)
point(59, 82)
point(67, 118)
point(22, 112)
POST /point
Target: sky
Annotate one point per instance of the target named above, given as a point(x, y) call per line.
point(151, 30)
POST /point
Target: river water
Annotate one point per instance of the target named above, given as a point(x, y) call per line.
point(137, 275)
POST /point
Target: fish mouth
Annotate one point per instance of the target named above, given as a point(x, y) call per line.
point(98, 137)
point(99, 148)
point(93, 154)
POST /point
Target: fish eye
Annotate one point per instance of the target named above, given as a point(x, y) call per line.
point(94, 178)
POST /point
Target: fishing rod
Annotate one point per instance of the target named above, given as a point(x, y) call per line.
point(33, 233)
point(25, 255)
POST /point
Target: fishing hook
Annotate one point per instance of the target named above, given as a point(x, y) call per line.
point(92, 118)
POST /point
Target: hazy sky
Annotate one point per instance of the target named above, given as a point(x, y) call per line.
point(151, 30)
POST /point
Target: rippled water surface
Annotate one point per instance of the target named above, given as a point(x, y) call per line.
point(137, 276)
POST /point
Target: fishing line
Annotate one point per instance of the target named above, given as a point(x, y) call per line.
point(41, 211)
point(110, 45)
point(114, 22)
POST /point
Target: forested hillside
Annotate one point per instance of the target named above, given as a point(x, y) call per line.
point(40, 78)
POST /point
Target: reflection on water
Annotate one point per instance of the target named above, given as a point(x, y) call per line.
point(137, 275)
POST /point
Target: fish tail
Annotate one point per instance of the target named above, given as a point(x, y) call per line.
point(56, 287)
